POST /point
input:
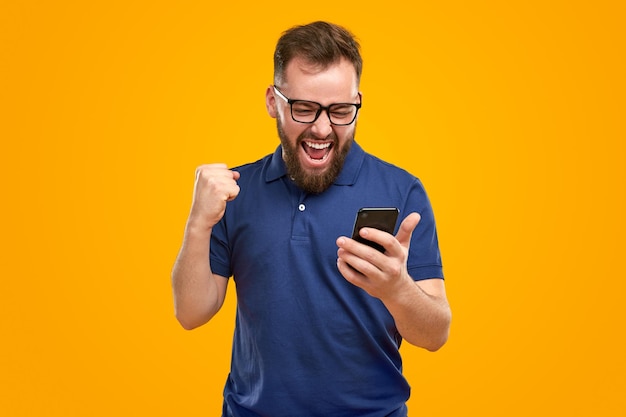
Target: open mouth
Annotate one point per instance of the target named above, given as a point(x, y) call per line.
point(317, 151)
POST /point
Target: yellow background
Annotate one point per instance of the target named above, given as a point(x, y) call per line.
point(512, 114)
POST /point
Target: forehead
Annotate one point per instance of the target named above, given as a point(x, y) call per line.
point(333, 83)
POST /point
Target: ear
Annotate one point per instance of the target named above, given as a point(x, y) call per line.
point(270, 101)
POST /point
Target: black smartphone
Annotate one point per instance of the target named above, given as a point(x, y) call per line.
point(382, 218)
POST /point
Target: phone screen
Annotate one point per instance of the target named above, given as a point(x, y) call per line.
point(382, 218)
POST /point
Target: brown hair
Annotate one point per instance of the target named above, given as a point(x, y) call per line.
point(319, 43)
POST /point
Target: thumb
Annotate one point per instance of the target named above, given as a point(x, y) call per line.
point(406, 229)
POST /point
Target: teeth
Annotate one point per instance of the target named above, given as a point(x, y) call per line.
point(317, 145)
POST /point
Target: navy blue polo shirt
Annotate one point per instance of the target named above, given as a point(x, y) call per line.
point(307, 342)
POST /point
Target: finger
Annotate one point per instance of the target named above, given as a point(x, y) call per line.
point(360, 257)
point(350, 273)
point(219, 180)
point(406, 229)
point(233, 189)
point(218, 172)
point(379, 237)
point(233, 192)
point(210, 167)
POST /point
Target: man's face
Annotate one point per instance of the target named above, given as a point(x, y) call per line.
point(314, 153)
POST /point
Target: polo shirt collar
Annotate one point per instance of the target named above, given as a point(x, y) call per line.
point(348, 175)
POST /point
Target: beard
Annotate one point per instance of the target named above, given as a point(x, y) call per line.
point(312, 182)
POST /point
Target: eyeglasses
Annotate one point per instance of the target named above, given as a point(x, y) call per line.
point(304, 111)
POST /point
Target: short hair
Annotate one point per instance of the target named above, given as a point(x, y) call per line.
point(319, 43)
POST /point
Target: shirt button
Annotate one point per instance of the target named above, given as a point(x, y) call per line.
point(301, 207)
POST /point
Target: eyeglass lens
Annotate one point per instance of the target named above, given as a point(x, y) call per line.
point(308, 111)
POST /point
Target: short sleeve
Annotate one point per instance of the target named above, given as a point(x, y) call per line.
point(220, 251)
point(424, 254)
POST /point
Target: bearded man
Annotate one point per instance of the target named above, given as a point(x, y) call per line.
point(320, 316)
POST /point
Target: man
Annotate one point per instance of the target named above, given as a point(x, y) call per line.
point(320, 316)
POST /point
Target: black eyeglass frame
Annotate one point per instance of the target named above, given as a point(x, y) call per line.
point(321, 108)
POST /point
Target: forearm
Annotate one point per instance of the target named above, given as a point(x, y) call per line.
point(421, 319)
point(196, 293)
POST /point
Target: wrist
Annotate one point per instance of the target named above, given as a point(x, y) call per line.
point(401, 293)
point(196, 228)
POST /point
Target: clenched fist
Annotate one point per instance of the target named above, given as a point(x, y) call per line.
point(215, 186)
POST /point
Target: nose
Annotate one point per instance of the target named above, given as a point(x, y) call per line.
point(322, 127)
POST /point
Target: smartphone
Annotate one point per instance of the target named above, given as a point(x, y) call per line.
point(382, 218)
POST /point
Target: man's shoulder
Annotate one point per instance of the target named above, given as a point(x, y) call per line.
point(251, 166)
point(269, 167)
point(379, 166)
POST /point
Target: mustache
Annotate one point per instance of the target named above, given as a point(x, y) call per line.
point(307, 135)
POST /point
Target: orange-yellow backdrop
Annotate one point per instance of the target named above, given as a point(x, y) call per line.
point(512, 114)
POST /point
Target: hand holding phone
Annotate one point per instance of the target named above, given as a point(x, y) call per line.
point(381, 218)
